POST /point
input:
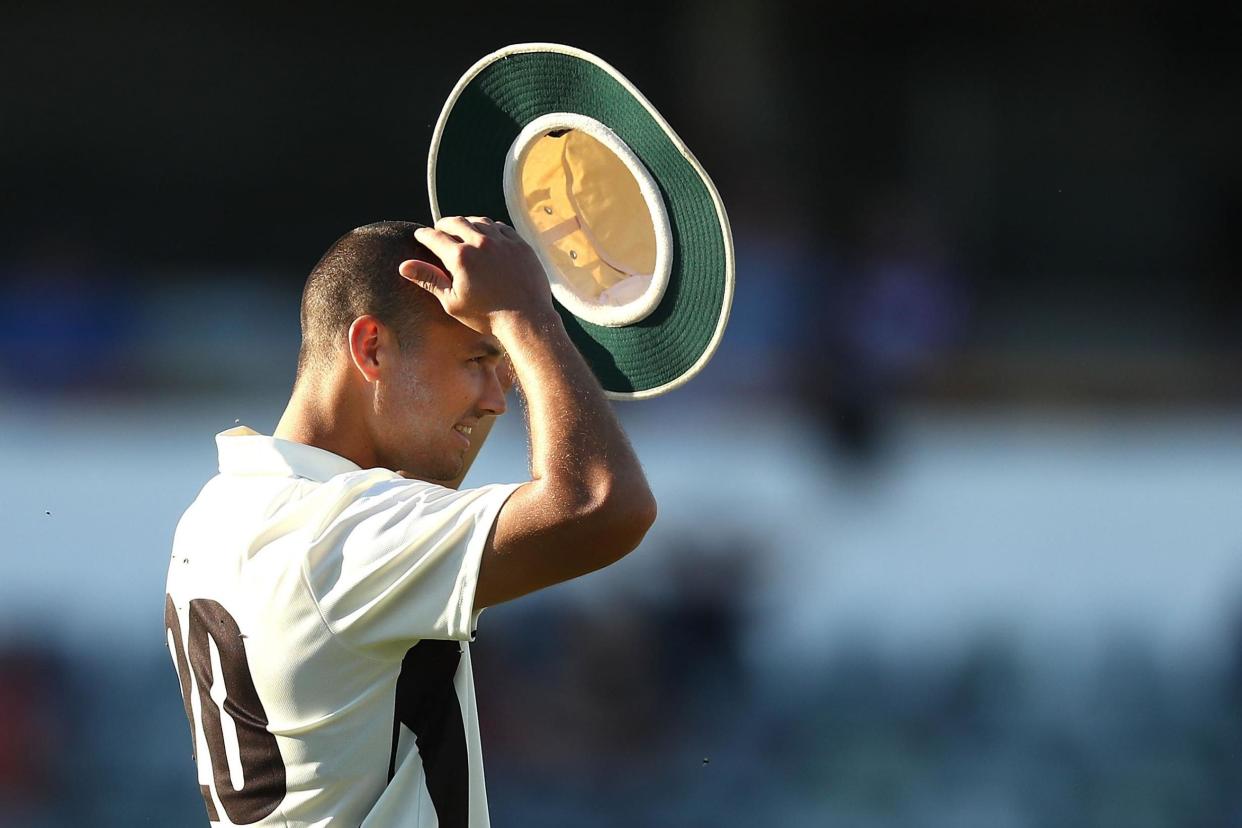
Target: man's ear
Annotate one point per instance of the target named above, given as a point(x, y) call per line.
point(365, 336)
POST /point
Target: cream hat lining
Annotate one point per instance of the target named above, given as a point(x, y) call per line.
point(592, 212)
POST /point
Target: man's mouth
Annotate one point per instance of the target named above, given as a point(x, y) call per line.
point(464, 429)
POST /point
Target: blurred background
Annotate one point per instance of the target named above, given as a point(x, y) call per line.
point(950, 528)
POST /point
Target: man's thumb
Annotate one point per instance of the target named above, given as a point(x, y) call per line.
point(425, 275)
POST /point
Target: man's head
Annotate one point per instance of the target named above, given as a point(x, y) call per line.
point(358, 276)
point(381, 359)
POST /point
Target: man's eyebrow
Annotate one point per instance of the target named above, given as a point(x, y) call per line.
point(490, 349)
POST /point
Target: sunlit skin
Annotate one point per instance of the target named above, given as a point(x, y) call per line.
point(383, 406)
point(587, 503)
point(448, 380)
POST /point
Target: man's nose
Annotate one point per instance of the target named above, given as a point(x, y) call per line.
point(493, 401)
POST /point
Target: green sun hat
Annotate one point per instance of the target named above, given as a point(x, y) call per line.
point(629, 228)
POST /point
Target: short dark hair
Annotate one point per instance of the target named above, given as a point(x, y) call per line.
point(358, 276)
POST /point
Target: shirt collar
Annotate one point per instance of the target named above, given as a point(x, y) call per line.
point(245, 451)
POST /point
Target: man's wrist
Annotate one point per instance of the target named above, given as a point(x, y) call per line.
point(512, 327)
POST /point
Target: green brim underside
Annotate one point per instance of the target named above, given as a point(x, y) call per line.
point(488, 115)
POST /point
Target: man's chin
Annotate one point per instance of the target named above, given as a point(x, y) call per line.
point(439, 475)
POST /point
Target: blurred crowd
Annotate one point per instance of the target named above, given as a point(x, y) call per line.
point(645, 711)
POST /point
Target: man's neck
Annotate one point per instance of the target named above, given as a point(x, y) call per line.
point(322, 414)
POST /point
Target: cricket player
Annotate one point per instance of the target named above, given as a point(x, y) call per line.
point(324, 585)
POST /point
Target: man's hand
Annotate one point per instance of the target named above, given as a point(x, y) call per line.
point(492, 274)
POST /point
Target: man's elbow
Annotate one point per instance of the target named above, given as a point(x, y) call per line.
point(625, 520)
point(646, 512)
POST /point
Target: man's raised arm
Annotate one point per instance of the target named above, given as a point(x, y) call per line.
point(588, 503)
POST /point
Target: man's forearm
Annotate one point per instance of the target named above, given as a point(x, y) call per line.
point(577, 445)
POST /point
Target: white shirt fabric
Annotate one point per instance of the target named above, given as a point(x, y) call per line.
point(318, 616)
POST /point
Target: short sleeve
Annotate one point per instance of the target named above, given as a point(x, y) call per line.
point(399, 561)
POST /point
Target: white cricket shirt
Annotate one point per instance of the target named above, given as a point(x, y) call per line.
point(318, 616)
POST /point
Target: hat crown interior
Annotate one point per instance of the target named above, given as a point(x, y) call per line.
point(591, 211)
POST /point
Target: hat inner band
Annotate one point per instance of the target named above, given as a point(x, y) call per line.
point(593, 213)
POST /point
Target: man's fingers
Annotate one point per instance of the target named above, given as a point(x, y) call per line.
point(437, 241)
point(460, 227)
point(490, 225)
point(506, 230)
point(425, 275)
